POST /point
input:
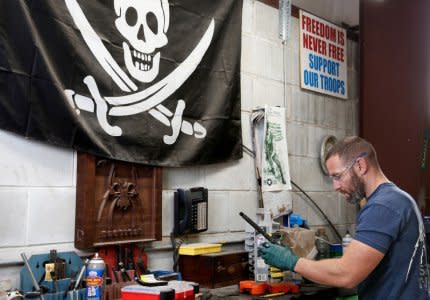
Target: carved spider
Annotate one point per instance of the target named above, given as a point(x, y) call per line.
point(121, 194)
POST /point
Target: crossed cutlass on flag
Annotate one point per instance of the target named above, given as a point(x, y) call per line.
point(137, 101)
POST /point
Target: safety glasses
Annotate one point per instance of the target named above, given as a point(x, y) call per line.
point(338, 177)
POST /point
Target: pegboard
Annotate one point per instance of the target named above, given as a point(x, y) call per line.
point(73, 264)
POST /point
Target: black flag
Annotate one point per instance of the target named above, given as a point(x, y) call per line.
point(154, 81)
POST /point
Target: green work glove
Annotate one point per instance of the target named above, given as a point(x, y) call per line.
point(278, 256)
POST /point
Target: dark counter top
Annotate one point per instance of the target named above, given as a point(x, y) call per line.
point(307, 291)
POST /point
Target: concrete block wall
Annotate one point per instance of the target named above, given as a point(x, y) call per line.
point(38, 181)
point(270, 75)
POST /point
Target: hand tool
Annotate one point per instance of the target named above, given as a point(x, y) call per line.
point(115, 275)
point(140, 264)
point(269, 296)
point(35, 284)
point(54, 279)
point(32, 294)
point(129, 262)
point(81, 274)
point(150, 281)
point(258, 228)
point(128, 259)
point(59, 264)
point(121, 267)
point(124, 275)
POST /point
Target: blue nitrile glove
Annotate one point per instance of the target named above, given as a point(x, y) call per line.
point(278, 256)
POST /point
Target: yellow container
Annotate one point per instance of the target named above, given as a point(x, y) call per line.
point(199, 248)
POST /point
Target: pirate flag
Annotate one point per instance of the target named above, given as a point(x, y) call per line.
point(147, 81)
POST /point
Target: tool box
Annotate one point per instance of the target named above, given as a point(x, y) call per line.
point(216, 269)
point(174, 290)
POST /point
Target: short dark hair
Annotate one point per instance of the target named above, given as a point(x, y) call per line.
point(351, 147)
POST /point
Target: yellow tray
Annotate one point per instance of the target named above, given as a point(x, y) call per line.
point(199, 248)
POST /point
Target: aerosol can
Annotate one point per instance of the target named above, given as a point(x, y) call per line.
point(94, 278)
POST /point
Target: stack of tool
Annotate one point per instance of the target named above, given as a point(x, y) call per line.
point(52, 275)
point(119, 262)
point(254, 288)
point(62, 275)
point(125, 264)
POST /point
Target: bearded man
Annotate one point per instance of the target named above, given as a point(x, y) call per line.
point(387, 258)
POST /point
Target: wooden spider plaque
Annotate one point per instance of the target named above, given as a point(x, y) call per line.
point(116, 202)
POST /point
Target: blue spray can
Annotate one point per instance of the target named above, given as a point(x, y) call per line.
point(94, 278)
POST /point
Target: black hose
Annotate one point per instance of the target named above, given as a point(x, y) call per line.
point(320, 210)
point(176, 244)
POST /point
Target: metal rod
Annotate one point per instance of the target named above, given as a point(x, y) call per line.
point(35, 284)
point(81, 273)
point(258, 228)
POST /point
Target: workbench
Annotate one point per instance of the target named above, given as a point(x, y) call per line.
point(307, 291)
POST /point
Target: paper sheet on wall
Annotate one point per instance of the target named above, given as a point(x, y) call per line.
point(270, 144)
point(274, 162)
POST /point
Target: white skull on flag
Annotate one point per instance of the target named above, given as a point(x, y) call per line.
point(143, 24)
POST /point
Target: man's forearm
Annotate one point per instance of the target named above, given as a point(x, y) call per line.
point(347, 271)
point(330, 272)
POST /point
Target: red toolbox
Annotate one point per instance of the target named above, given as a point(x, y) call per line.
point(174, 290)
